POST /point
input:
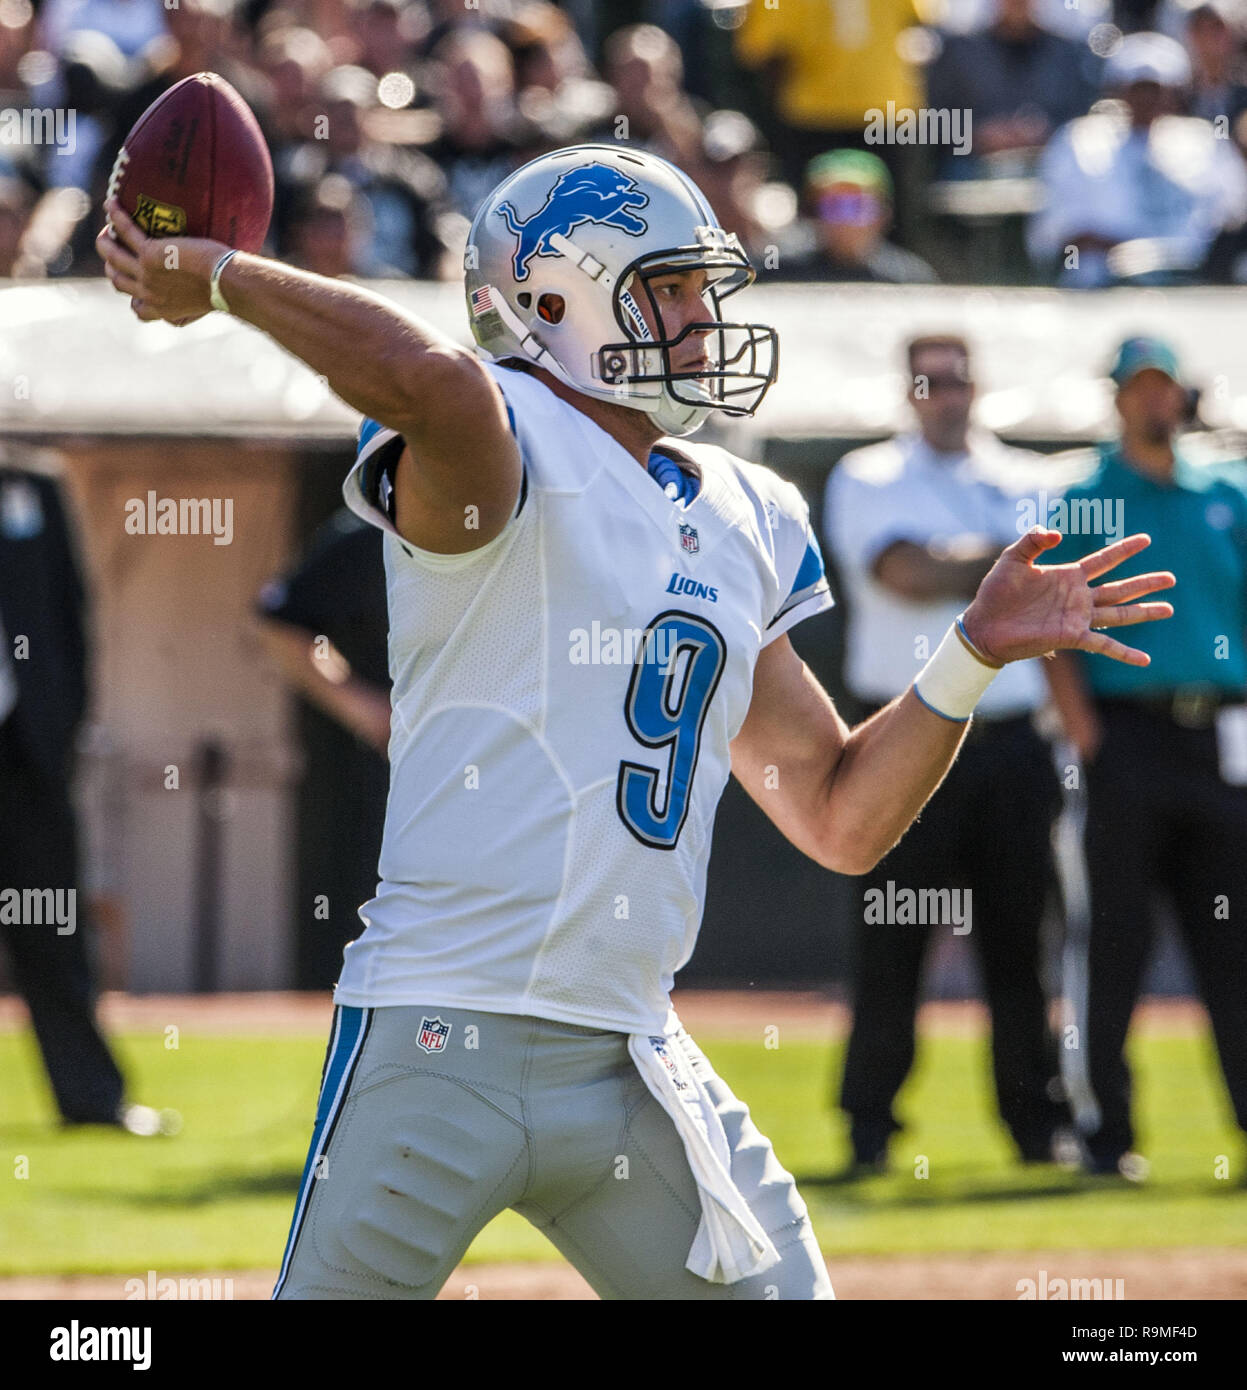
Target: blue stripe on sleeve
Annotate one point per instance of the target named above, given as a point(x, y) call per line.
point(812, 569)
point(368, 430)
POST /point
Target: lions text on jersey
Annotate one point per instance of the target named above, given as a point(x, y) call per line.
point(564, 700)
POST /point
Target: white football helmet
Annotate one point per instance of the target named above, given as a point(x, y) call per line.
point(557, 257)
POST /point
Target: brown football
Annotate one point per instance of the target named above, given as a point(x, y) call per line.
point(195, 164)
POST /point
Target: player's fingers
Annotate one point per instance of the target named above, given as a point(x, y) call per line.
point(1101, 561)
point(1033, 544)
point(113, 252)
point(120, 281)
point(1122, 589)
point(124, 228)
point(1132, 613)
point(1106, 646)
point(144, 312)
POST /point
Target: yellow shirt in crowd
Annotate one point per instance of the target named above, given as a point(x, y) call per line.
point(841, 57)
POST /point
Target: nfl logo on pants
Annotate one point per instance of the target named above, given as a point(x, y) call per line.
point(433, 1034)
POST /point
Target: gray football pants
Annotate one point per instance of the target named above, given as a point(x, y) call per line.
point(414, 1151)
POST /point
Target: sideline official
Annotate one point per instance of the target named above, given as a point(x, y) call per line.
point(914, 524)
point(1164, 747)
point(43, 693)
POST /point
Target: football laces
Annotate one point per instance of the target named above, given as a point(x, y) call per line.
point(119, 168)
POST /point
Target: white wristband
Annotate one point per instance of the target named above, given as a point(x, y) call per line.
point(214, 282)
point(953, 681)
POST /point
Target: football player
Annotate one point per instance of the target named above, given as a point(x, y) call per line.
point(589, 619)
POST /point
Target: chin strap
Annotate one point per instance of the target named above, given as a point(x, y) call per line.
point(582, 260)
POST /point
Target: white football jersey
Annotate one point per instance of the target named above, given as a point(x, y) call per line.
point(564, 700)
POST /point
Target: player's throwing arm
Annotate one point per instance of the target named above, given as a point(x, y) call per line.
point(386, 364)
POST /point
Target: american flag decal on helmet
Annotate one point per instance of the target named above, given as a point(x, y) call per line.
point(482, 301)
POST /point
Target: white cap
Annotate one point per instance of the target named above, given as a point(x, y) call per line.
point(1148, 58)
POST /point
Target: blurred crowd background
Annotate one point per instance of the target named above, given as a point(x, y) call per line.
point(1092, 143)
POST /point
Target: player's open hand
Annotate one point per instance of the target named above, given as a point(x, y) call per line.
point(1023, 609)
point(166, 278)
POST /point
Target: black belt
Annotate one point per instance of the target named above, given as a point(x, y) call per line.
point(1189, 706)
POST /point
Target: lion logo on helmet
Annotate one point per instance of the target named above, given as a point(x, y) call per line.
point(591, 193)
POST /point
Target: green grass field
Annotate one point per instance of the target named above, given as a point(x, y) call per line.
point(219, 1195)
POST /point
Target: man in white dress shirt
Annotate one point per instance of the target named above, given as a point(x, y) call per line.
point(913, 524)
point(1139, 192)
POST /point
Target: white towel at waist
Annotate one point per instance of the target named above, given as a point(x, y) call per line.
point(730, 1243)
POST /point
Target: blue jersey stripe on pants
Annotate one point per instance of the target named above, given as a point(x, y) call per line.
point(350, 1029)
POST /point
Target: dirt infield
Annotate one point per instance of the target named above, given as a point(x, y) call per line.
point(1163, 1274)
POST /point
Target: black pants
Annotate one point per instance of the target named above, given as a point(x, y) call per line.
point(987, 828)
point(38, 850)
point(1159, 816)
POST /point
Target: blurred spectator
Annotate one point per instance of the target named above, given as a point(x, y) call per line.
point(645, 68)
point(545, 47)
point(557, 91)
point(914, 524)
point(328, 229)
point(325, 628)
point(130, 24)
point(1137, 193)
point(386, 32)
point(826, 64)
point(93, 81)
point(1214, 37)
point(1071, 21)
point(43, 697)
point(733, 173)
point(17, 32)
point(449, 16)
point(849, 195)
point(35, 229)
point(482, 138)
point(1019, 82)
point(295, 61)
point(1164, 746)
point(403, 189)
point(17, 202)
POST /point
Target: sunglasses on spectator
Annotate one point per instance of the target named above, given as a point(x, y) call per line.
point(853, 206)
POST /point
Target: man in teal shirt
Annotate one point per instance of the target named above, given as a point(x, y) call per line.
point(1164, 747)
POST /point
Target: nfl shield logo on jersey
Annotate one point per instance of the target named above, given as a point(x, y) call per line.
point(688, 538)
point(433, 1034)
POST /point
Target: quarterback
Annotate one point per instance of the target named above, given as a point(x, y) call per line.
point(589, 621)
